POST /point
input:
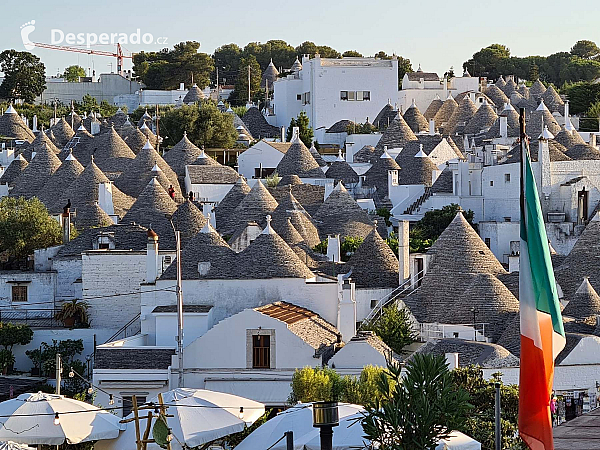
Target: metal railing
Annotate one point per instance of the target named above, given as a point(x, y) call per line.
point(429, 331)
point(131, 328)
point(35, 318)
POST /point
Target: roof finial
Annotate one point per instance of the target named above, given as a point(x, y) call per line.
point(268, 229)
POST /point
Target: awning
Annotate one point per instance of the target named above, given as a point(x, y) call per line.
point(268, 391)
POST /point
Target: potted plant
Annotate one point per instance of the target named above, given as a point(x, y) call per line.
point(7, 359)
point(73, 313)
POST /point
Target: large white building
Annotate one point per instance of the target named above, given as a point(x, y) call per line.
point(330, 90)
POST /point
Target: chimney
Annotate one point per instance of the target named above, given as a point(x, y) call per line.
point(207, 210)
point(452, 360)
point(295, 134)
point(105, 199)
point(592, 139)
point(35, 123)
point(346, 308)
point(403, 252)
point(182, 86)
point(152, 257)
point(503, 127)
point(431, 127)
point(333, 248)
point(66, 223)
point(282, 134)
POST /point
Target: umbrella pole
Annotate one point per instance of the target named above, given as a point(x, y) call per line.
point(137, 422)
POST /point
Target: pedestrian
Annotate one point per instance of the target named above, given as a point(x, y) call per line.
point(171, 191)
point(553, 405)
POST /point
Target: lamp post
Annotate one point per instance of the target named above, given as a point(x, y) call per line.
point(325, 417)
point(474, 311)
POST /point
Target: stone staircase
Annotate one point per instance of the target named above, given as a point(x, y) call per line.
point(417, 203)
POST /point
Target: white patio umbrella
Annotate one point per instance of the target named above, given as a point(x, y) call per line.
point(14, 446)
point(348, 435)
point(299, 420)
point(53, 419)
point(458, 441)
point(200, 416)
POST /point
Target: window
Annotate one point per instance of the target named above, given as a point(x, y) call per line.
point(358, 96)
point(299, 97)
point(306, 98)
point(373, 303)
point(351, 96)
point(128, 403)
point(507, 177)
point(343, 95)
point(487, 242)
point(455, 334)
point(367, 95)
point(168, 259)
point(507, 219)
point(19, 293)
point(491, 182)
point(103, 246)
point(261, 352)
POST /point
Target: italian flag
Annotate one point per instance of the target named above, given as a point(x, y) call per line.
point(542, 333)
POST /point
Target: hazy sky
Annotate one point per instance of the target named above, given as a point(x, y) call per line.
point(437, 34)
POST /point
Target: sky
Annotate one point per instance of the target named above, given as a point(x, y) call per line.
point(435, 34)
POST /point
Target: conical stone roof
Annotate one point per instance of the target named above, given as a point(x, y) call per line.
point(74, 120)
point(509, 87)
point(299, 161)
point(188, 220)
point(342, 171)
point(524, 91)
point(91, 216)
point(194, 95)
point(377, 175)
point(396, 135)
point(512, 119)
point(583, 152)
point(539, 119)
point(433, 108)
point(268, 256)
point(293, 239)
point(553, 100)
point(135, 139)
point(318, 158)
point(290, 208)
point(140, 171)
point(204, 160)
point(62, 132)
point(149, 134)
point(374, 265)
point(585, 303)
point(258, 125)
point(84, 191)
point(111, 153)
point(40, 141)
point(60, 180)
point(270, 74)
point(418, 170)
point(415, 120)
point(537, 89)
point(145, 119)
point(445, 112)
point(364, 155)
point(182, 154)
point(287, 180)
point(13, 171)
point(565, 138)
point(36, 174)
point(118, 119)
point(500, 82)
point(461, 117)
point(224, 210)
point(254, 207)
point(483, 118)
point(340, 214)
point(12, 126)
point(496, 95)
point(385, 117)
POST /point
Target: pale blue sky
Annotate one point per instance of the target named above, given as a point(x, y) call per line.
point(437, 34)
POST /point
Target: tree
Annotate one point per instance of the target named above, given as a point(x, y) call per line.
point(307, 48)
point(167, 68)
point(581, 96)
point(227, 59)
point(486, 62)
point(241, 86)
point(24, 76)
point(417, 410)
point(534, 72)
point(435, 222)
point(90, 104)
point(480, 423)
point(585, 49)
point(592, 118)
point(450, 73)
point(26, 226)
point(394, 327)
point(306, 131)
point(72, 73)
point(404, 65)
point(352, 53)
point(12, 334)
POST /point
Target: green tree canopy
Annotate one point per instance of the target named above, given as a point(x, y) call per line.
point(227, 59)
point(416, 410)
point(585, 49)
point(24, 76)
point(306, 131)
point(435, 222)
point(581, 95)
point(72, 73)
point(25, 226)
point(241, 86)
point(167, 68)
point(12, 334)
point(487, 61)
point(394, 327)
point(352, 53)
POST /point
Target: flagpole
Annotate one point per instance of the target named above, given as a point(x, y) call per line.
point(522, 136)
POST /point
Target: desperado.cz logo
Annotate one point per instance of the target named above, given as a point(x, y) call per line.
point(58, 37)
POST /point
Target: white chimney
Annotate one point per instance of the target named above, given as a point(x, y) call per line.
point(503, 127)
point(592, 139)
point(35, 123)
point(182, 86)
point(431, 127)
point(152, 257)
point(207, 210)
point(403, 252)
point(66, 225)
point(346, 308)
point(105, 198)
point(282, 134)
point(452, 360)
point(95, 128)
point(295, 134)
point(333, 248)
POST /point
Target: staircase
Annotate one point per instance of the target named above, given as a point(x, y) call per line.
point(417, 204)
point(131, 328)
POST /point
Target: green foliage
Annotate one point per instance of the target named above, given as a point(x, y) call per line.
point(404, 65)
point(77, 309)
point(12, 334)
point(167, 68)
point(24, 76)
point(306, 131)
point(352, 54)
point(234, 439)
point(46, 357)
point(386, 214)
point(90, 104)
point(581, 96)
point(394, 327)
point(311, 384)
point(72, 73)
point(480, 423)
point(361, 128)
point(349, 246)
point(586, 49)
point(204, 123)
point(592, 118)
point(26, 226)
point(419, 409)
point(6, 359)
point(241, 85)
point(310, 48)
point(240, 110)
point(273, 180)
point(433, 223)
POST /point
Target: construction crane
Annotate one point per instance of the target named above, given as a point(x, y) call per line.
point(119, 55)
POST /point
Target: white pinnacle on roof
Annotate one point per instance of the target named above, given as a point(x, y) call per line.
point(207, 228)
point(339, 158)
point(81, 128)
point(508, 107)
point(154, 182)
point(240, 128)
point(542, 106)
point(220, 103)
point(437, 97)
point(119, 110)
point(546, 134)
point(144, 126)
point(147, 145)
point(385, 154)
point(156, 168)
point(70, 157)
point(202, 155)
point(20, 157)
point(420, 153)
point(295, 135)
point(339, 187)
point(449, 95)
point(413, 104)
point(127, 122)
point(268, 229)
point(229, 110)
point(11, 110)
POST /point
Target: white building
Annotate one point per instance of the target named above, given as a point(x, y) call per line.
point(330, 90)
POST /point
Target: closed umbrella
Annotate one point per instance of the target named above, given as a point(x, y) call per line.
point(53, 419)
point(299, 420)
point(199, 417)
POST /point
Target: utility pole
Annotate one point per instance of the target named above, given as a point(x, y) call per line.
point(498, 428)
point(217, 84)
point(58, 373)
point(248, 83)
point(157, 131)
point(179, 310)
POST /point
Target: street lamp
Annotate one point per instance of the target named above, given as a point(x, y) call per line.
point(474, 311)
point(325, 417)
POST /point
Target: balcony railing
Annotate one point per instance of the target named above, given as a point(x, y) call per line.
point(35, 318)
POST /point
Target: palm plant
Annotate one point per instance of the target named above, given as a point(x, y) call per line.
point(74, 312)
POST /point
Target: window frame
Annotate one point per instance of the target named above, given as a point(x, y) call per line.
point(16, 297)
point(261, 351)
point(344, 95)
